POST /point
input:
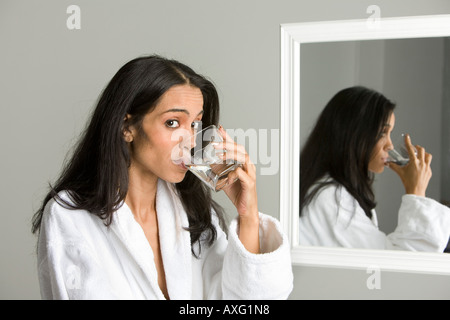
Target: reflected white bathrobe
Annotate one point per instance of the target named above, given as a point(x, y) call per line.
point(80, 258)
point(335, 219)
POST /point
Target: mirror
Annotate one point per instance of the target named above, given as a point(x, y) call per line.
point(407, 71)
point(358, 49)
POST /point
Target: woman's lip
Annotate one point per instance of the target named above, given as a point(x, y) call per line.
point(181, 162)
point(183, 166)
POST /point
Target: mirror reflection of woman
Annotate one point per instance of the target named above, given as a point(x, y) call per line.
point(126, 221)
point(347, 146)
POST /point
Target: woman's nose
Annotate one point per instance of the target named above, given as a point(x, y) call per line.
point(189, 140)
point(389, 145)
point(185, 140)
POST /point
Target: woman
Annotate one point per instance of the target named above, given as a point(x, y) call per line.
point(348, 145)
point(127, 221)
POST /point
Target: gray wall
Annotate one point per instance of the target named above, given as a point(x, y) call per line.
point(50, 77)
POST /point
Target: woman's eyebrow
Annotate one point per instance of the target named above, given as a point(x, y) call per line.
point(181, 110)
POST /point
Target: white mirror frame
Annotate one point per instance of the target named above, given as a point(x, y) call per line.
point(292, 36)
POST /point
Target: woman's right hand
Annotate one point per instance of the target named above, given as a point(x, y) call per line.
point(416, 174)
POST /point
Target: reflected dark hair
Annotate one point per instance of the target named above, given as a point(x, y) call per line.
point(96, 177)
point(341, 145)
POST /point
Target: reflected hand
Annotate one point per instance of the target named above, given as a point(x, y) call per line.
point(417, 173)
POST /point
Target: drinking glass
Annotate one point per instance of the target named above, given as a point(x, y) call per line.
point(205, 162)
point(399, 155)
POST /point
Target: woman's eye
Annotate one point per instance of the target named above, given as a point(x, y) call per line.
point(196, 124)
point(172, 124)
point(383, 134)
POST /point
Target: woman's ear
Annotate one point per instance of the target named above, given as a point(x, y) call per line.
point(127, 133)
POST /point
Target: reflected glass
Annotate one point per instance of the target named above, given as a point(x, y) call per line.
point(411, 72)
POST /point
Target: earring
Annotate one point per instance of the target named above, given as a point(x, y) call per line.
point(126, 133)
point(128, 137)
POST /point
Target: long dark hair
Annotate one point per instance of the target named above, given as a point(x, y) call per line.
point(341, 145)
point(96, 177)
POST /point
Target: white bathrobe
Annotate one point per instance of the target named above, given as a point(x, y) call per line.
point(334, 218)
point(80, 258)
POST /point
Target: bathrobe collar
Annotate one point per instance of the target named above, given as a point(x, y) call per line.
point(175, 243)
